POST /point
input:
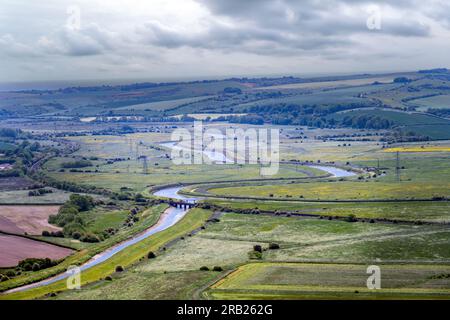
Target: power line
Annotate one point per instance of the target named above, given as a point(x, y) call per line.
point(130, 142)
point(137, 151)
point(144, 165)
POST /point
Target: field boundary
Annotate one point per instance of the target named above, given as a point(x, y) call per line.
point(30, 237)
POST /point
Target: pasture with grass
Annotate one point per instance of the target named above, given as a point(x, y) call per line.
point(363, 179)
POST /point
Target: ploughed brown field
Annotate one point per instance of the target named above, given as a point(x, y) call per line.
point(31, 219)
point(14, 248)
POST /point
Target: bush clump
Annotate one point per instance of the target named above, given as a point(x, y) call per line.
point(119, 269)
point(4, 278)
point(257, 248)
point(351, 218)
point(89, 238)
point(204, 268)
point(255, 255)
point(10, 273)
point(77, 164)
point(69, 218)
point(151, 255)
point(36, 264)
point(274, 246)
point(217, 268)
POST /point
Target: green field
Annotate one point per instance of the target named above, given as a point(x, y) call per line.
point(423, 175)
point(128, 173)
point(21, 196)
point(342, 191)
point(435, 131)
point(124, 258)
point(86, 251)
point(343, 250)
point(435, 102)
point(144, 286)
point(330, 281)
point(437, 211)
point(161, 105)
point(398, 117)
point(318, 233)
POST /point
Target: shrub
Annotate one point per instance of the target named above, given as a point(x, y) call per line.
point(351, 218)
point(256, 255)
point(274, 246)
point(27, 267)
point(4, 278)
point(36, 264)
point(204, 268)
point(73, 227)
point(76, 235)
point(10, 273)
point(257, 248)
point(57, 234)
point(90, 238)
point(119, 269)
point(217, 268)
point(77, 164)
point(83, 203)
point(108, 278)
point(45, 233)
point(151, 255)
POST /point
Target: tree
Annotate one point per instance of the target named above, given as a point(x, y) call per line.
point(83, 203)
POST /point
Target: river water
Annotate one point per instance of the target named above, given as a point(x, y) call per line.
point(219, 157)
point(170, 217)
point(335, 172)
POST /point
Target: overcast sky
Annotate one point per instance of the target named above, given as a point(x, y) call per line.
point(155, 39)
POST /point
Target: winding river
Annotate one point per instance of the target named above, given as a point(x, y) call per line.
point(334, 171)
point(169, 218)
point(219, 157)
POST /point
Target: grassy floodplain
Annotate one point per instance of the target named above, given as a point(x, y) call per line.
point(194, 219)
point(85, 250)
point(423, 175)
point(329, 281)
point(341, 248)
point(436, 211)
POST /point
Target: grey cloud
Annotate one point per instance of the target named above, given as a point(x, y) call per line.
point(280, 27)
point(317, 17)
point(86, 41)
point(12, 47)
point(236, 37)
point(227, 36)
